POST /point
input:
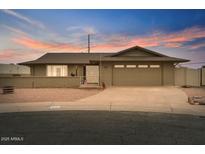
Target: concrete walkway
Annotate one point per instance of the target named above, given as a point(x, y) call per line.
point(147, 99)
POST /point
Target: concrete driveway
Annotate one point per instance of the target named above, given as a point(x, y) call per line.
point(139, 96)
point(156, 99)
point(148, 99)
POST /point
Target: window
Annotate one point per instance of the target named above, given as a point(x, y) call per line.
point(154, 66)
point(142, 66)
point(57, 70)
point(119, 66)
point(131, 66)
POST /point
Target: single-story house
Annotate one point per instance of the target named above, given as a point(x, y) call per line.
point(135, 66)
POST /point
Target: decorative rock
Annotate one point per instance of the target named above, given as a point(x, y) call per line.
point(196, 100)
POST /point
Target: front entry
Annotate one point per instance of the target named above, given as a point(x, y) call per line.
point(92, 74)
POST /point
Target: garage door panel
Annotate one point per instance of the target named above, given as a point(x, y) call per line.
point(136, 76)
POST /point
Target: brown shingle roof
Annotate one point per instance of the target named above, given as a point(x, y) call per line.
point(138, 48)
point(171, 59)
point(86, 58)
point(67, 58)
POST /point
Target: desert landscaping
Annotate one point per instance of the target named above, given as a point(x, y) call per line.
point(194, 91)
point(47, 94)
point(67, 94)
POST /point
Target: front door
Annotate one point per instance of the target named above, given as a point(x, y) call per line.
point(92, 74)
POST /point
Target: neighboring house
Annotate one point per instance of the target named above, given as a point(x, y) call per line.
point(135, 66)
point(13, 70)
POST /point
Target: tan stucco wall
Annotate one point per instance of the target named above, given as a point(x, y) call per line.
point(38, 70)
point(167, 74)
point(106, 73)
point(40, 82)
point(19, 82)
point(11, 75)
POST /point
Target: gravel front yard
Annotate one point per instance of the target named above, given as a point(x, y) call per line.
point(194, 91)
point(46, 95)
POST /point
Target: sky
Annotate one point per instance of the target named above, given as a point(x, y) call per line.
point(28, 34)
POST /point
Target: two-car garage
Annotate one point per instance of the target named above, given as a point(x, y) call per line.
point(137, 75)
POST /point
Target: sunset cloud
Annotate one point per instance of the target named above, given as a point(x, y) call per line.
point(173, 45)
point(17, 55)
point(80, 29)
point(116, 42)
point(46, 46)
point(170, 40)
point(188, 34)
point(198, 45)
point(13, 29)
point(7, 54)
point(176, 39)
point(104, 43)
point(24, 18)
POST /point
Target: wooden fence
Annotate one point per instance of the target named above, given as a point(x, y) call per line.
point(188, 77)
point(203, 76)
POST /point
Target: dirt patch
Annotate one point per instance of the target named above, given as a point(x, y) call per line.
point(194, 91)
point(45, 95)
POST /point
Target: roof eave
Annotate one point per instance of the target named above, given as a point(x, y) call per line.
point(133, 60)
point(54, 63)
point(25, 63)
point(183, 61)
point(147, 50)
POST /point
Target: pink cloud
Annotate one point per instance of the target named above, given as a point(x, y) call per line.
point(41, 45)
point(174, 39)
point(115, 42)
point(24, 18)
point(170, 40)
point(14, 30)
point(105, 43)
point(106, 47)
point(15, 55)
point(173, 45)
point(198, 45)
point(188, 34)
point(7, 53)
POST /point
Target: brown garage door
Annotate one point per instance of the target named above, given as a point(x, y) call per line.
point(136, 76)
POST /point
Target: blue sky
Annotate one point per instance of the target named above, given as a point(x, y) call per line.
point(27, 34)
